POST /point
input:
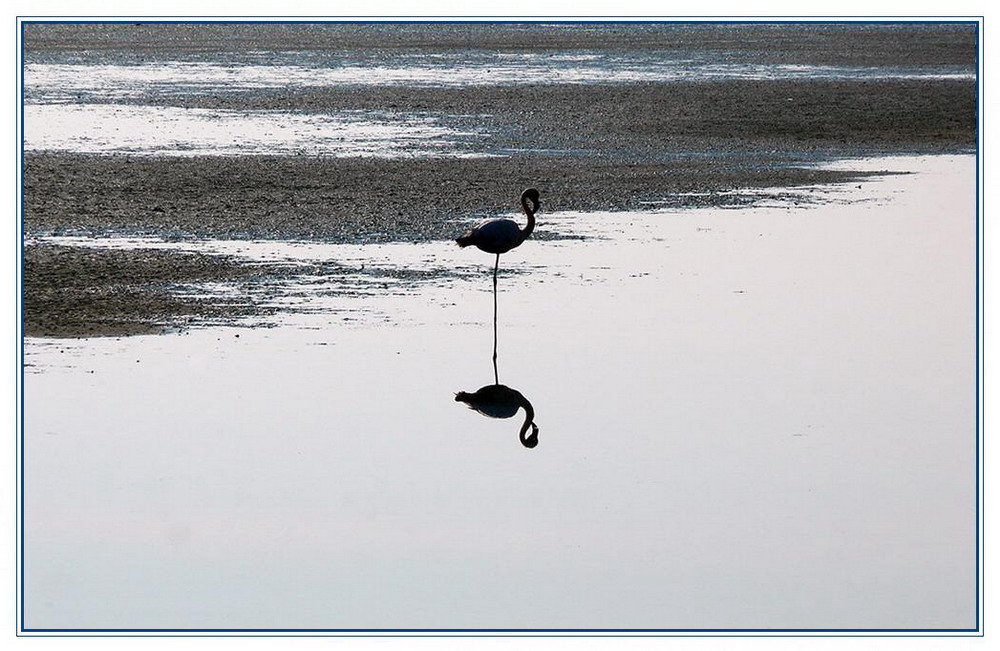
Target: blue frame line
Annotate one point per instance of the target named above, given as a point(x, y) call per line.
point(977, 297)
point(977, 631)
point(504, 630)
point(20, 254)
point(368, 20)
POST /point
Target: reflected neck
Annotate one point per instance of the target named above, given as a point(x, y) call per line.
point(529, 418)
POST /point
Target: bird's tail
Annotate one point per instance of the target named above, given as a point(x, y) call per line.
point(464, 241)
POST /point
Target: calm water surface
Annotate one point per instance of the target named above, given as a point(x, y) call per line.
point(749, 418)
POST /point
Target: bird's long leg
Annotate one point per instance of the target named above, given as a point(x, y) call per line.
point(496, 374)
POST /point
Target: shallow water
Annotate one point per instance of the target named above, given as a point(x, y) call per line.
point(171, 131)
point(98, 106)
point(749, 418)
point(54, 82)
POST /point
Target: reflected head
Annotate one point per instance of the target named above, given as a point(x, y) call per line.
point(531, 440)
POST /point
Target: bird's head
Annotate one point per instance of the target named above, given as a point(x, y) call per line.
point(531, 194)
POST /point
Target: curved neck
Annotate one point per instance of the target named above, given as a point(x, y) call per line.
point(529, 210)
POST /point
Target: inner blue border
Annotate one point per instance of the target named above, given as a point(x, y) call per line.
point(430, 20)
point(367, 20)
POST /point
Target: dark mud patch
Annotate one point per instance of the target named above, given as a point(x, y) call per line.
point(75, 291)
point(359, 200)
point(81, 292)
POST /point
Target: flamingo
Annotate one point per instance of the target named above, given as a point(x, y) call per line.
point(499, 236)
point(499, 401)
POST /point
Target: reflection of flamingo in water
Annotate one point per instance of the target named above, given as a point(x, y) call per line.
point(499, 236)
point(499, 401)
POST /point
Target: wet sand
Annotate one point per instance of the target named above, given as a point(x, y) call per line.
point(586, 147)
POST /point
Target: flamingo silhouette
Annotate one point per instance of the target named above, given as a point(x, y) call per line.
point(499, 236)
point(499, 401)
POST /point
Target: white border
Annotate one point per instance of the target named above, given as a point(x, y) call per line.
point(518, 9)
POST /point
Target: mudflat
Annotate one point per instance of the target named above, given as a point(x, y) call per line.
point(586, 147)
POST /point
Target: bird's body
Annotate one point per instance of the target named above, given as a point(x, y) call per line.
point(493, 236)
point(501, 235)
point(493, 400)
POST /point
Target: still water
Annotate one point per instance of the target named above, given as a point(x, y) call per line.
point(748, 418)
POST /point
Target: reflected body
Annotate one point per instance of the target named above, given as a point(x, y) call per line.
point(499, 401)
